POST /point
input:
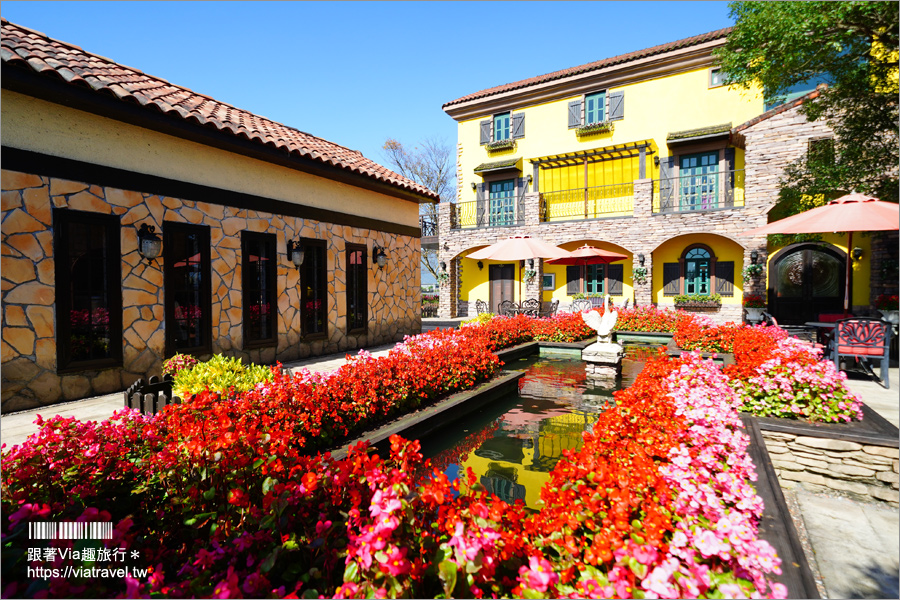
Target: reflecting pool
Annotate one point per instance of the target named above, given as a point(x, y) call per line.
point(513, 443)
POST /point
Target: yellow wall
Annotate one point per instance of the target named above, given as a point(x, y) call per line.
point(39, 126)
point(724, 249)
point(861, 268)
point(476, 283)
point(653, 109)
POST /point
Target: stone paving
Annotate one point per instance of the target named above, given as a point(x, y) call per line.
point(854, 546)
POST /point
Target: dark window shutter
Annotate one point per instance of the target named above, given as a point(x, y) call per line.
point(614, 276)
point(666, 184)
point(671, 279)
point(725, 278)
point(485, 132)
point(616, 105)
point(729, 177)
point(729, 159)
point(480, 203)
point(574, 114)
point(573, 280)
point(518, 125)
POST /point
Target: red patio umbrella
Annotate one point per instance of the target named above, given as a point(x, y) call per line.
point(853, 212)
point(588, 255)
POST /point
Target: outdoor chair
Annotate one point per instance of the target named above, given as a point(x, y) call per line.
point(531, 307)
point(582, 305)
point(481, 307)
point(507, 308)
point(863, 339)
point(551, 308)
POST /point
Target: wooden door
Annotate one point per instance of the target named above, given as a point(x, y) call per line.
point(501, 282)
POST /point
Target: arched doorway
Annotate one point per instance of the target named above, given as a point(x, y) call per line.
point(806, 280)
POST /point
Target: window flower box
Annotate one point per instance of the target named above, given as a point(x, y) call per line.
point(501, 145)
point(595, 128)
point(698, 302)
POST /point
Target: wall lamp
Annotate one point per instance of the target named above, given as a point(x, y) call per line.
point(857, 253)
point(754, 256)
point(443, 266)
point(480, 265)
point(473, 185)
point(641, 259)
point(295, 254)
point(149, 244)
point(656, 159)
point(531, 264)
point(379, 257)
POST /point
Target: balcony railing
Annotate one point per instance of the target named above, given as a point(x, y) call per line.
point(615, 200)
point(492, 212)
point(689, 193)
point(428, 226)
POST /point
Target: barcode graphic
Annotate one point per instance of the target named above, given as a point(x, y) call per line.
point(69, 530)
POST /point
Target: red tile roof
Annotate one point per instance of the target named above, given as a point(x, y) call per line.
point(33, 50)
point(593, 66)
point(781, 108)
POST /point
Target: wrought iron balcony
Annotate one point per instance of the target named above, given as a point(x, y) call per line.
point(429, 228)
point(492, 212)
point(690, 193)
point(596, 202)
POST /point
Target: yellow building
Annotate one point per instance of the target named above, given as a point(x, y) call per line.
point(636, 154)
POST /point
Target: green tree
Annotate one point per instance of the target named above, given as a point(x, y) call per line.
point(852, 47)
point(429, 164)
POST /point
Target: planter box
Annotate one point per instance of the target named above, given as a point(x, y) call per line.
point(642, 337)
point(699, 305)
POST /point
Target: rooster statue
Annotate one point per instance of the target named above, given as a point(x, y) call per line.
point(603, 325)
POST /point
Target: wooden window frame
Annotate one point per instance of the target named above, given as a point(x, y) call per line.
point(270, 240)
point(322, 245)
point(364, 268)
point(170, 229)
point(713, 259)
point(112, 225)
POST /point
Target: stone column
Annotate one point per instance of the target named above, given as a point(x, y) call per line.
point(643, 198)
point(755, 285)
point(532, 203)
point(643, 292)
point(448, 292)
point(533, 288)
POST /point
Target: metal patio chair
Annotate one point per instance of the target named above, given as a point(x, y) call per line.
point(863, 339)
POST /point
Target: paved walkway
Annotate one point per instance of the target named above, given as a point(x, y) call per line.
point(854, 545)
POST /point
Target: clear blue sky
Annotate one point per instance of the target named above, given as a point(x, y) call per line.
point(357, 73)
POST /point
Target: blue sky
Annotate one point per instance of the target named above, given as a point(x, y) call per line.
point(357, 73)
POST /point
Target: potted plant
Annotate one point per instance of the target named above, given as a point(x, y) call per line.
point(640, 275)
point(443, 278)
point(751, 271)
point(698, 301)
point(529, 275)
point(754, 306)
point(595, 128)
point(887, 305)
point(500, 145)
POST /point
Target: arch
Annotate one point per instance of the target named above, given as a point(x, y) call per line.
point(676, 272)
point(806, 279)
point(701, 232)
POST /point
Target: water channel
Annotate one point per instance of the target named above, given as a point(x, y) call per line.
point(513, 443)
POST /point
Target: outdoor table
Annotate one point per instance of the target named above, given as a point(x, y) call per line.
point(823, 329)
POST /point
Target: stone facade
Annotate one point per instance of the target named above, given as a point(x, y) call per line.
point(29, 346)
point(641, 234)
point(859, 470)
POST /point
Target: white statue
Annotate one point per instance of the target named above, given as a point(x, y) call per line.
point(604, 324)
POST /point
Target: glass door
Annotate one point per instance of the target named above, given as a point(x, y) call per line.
point(699, 181)
point(502, 210)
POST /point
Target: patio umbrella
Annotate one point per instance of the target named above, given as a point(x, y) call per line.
point(853, 212)
point(588, 255)
point(519, 247)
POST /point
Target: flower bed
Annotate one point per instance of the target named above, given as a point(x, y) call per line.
point(220, 502)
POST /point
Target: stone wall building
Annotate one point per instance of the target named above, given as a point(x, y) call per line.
point(97, 156)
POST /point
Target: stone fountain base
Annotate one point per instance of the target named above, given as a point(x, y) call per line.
point(604, 362)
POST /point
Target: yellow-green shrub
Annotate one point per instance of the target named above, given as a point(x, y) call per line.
point(219, 374)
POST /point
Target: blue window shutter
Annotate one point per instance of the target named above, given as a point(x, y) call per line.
point(485, 132)
point(616, 106)
point(574, 114)
point(518, 125)
point(614, 275)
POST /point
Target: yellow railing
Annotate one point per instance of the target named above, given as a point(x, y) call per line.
point(615, 200)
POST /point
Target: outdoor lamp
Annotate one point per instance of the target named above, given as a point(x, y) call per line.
point(531, 264)
point(295, 253)
point(149, 244)
point(754, 256)
point(656, 159)
point(473, 185)
point(857, 253)
point(641, 259)
point(379, 257)
point(443, 266)
point(480, 265)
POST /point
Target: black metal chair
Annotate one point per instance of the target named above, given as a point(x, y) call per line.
point(551, 308)
point(531, 307)
point(863, 339)
point(481, 307)
point(507, 308)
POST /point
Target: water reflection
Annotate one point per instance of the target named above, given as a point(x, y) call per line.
point(513, 444)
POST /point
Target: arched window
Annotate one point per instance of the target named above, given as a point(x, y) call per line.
point(696, 271)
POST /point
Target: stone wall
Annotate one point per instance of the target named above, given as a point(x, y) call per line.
point(29, 352)
point(859, 470)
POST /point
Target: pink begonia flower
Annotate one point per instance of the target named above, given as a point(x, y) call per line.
point(538, 575)
point(384, 502)
point(394, 561)
point(732, 590)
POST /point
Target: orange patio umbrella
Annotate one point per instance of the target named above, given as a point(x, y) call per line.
point(852, 212)
point(588, 255)
point(519, 247)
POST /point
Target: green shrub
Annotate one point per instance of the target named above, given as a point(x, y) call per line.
point(219, 374)
point(480, 319)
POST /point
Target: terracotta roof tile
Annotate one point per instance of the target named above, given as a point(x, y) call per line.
point(593, 66)
point(26, 48)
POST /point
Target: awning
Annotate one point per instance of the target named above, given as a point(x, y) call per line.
point(690, 136)
point(617, 152)
point(509, 164)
